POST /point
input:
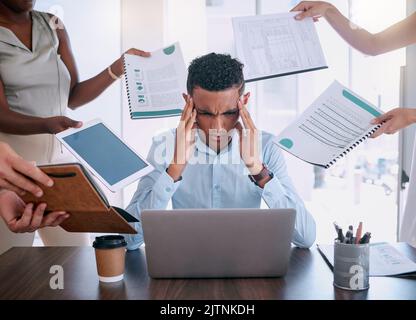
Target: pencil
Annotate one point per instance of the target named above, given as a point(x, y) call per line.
point(359, 232)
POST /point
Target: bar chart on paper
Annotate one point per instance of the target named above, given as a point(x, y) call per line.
point(277, 45)
point(155, 84)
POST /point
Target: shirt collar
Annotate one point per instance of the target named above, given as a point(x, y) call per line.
point(233, 146)
point(9, 37)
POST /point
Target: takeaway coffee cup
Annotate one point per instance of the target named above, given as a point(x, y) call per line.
point(110, 253)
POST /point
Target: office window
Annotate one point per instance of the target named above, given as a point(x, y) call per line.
point(363, 187)
point(373, 169)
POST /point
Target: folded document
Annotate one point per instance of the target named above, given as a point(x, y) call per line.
point(385, 260)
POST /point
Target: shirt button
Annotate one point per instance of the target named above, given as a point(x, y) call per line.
point(168, 189)
point(217, 187)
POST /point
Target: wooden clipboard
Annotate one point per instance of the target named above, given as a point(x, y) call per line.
point(74, 192)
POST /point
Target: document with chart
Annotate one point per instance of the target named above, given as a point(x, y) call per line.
point(155, 84)
point(385, 260)
point(333, 125)
point(277, 45)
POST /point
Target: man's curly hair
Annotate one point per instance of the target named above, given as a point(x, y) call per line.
point(215, 72)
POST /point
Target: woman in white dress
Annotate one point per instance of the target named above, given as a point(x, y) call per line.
point(399, 35)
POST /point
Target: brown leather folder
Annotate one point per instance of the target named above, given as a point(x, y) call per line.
point(75, 192)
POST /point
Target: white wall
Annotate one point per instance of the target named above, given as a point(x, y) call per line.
point(149, 25)
point(94, 31)
point(100, 30)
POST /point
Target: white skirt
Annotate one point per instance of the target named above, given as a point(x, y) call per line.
point(43, 149)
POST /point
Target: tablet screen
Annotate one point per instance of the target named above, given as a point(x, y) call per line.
point(105, 153)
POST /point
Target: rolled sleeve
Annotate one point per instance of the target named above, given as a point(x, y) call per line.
point(164, 187)
point(272, 193)
point(153, 192)
point(279, 192)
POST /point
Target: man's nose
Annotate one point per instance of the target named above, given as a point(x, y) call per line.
point(218, 124)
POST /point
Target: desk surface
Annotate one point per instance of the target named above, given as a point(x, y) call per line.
point(24, 274)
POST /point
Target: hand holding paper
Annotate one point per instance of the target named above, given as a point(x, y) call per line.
point(394, 120)
point(155, 84)
point(333, 125)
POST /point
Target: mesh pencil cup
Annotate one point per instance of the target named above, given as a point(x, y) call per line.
point(351, 266)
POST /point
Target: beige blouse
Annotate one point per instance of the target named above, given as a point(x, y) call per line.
point(36, 83)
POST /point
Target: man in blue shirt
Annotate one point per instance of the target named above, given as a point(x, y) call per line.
point(217, 158)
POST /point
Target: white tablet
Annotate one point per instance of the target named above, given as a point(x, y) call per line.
point(100, 150)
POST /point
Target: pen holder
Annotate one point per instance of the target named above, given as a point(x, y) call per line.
point(351, 266)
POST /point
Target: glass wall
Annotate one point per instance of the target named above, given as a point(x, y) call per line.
point(362, 187)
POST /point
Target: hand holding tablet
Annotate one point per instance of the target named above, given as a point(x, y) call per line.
point(103, 153)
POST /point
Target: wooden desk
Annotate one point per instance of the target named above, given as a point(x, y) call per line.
point(24, 274)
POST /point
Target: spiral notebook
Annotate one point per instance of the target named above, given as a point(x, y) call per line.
point(331, 127)
point(155, 84)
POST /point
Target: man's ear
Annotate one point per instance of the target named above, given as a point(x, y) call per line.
point(245, 98)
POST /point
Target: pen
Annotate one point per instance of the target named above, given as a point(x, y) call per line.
point(359, 232)
point(348, 235)
point(340, 235)
point(336, 227)
point(366, 238)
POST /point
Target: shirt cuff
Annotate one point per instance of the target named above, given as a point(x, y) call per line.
point(133, 242)
point(272, 192)
point(165, 186)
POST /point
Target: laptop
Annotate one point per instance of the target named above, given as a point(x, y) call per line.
point(217, 243)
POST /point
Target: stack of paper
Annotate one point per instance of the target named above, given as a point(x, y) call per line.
point(385, 260)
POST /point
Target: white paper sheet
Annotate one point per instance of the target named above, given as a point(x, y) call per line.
point(276, 45)
point(155, 84)
point(336, 122)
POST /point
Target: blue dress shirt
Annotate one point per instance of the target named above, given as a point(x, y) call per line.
point(212, 180)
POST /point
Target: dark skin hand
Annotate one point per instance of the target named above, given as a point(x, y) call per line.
point(16, 16)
